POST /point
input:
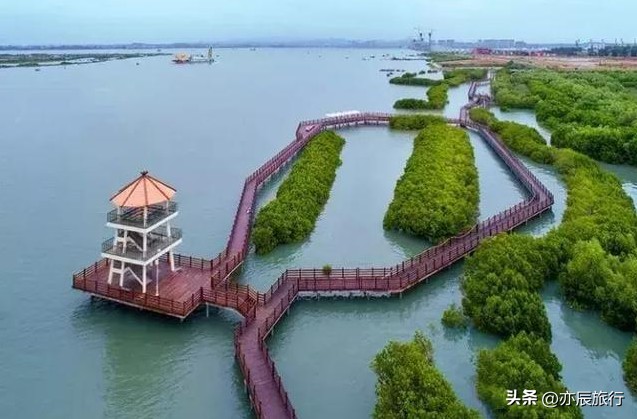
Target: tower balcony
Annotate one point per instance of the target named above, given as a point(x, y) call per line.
point(134, 217)
point(158, 243)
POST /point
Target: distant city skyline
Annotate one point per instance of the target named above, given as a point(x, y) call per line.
point(161, 21)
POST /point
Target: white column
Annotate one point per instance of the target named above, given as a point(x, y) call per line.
point(110, 272)
point(144, 244)
point(125, 240)
point(145, 215)
point(144, 279)
point(157, 278)
point(171, 259)
point(121, 273)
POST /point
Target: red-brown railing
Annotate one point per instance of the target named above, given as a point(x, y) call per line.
point(238, 241)
point(139, 299)
point(90, 270)
point(225, 267)
point(270, 378)
point(238, 297)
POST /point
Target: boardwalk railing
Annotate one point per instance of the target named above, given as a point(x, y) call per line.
point(222, 270)
point(272, 373)
point(238, 241)
point(238, 297)
point(148, 301)
point(385, 280)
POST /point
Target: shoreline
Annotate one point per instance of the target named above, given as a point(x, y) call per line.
point(37, 60)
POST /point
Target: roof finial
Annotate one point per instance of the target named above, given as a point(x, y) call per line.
point(144, 172)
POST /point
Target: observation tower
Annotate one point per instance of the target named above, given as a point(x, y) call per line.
point(142, 232)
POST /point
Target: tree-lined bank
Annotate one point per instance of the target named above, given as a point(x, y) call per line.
point(592, 253)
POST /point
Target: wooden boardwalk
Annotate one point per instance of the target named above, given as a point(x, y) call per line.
point(206, 281)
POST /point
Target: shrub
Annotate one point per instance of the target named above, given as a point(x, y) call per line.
point(592, 251)
point(501, 283)
point(436, 95)
point(411, 104)
point(327, 269)
point(522, 362)
point(520, 138)
point(630, 366)
point(437, 196)
point(410, 79)
point(301, 197)
point(586, 274)
point(459, 76)
point(590, 112)
point(454, 317)
point(414, 122)
point(410, 386)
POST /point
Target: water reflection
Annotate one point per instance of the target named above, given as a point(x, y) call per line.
point(152, 365)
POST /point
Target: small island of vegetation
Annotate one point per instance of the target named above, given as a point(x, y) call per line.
point(301, 197)
point(437, 196)
point(410, 386)
point(520, 363)
point(436, 99)
point(437, 94)
point(454, 317)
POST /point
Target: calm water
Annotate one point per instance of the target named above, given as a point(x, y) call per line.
point(72, 136)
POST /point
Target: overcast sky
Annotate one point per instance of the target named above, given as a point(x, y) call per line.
point(111, 21)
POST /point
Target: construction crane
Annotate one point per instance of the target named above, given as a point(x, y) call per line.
point(419, 36)
point(419, 40)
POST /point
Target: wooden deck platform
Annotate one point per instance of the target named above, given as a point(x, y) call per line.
point(179, 291)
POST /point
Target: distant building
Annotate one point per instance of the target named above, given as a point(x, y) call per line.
point(497, 43)
point(447, 43)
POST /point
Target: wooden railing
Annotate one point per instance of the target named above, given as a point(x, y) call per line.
point(238, 240)
point(193, 262)
point(225, 267)
point(274, 379)
point(238, 297)
point(140, 299)
point(90, 270)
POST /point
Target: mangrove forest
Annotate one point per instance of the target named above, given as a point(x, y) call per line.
point(437, 196)
point(410, 386)
point(591, 253)
point(301, 197)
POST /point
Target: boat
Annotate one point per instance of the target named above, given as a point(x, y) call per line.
point(181, 58)
point(185, 58)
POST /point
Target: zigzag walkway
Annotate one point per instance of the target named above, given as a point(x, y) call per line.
point(209, 278)
point(268, 397)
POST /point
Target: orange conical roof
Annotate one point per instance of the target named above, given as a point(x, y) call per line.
point(142, 192)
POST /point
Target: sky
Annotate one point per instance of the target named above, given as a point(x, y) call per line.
point(123, 21)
